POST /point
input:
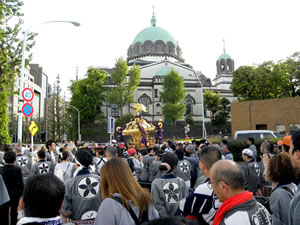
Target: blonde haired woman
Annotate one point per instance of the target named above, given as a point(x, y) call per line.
point(124, 201)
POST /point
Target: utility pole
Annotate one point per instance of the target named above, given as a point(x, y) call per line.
point(58, 113)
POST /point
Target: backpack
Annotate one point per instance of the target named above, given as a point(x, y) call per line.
point(138, 221)
point(60, 173)
point(265, 201)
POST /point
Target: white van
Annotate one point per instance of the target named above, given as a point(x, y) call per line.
point(256, 134)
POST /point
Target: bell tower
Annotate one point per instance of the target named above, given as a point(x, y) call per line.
point(225, 67)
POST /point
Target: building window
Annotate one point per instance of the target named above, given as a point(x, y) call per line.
point(171, 49)
point(261, 127)
point(189, 105)
point(280, 129)
point(158, 108)
point(148, 48)
point(294, 127)
point(146, 101)
point(222, 67)
point(156, 93)
point(159, 48)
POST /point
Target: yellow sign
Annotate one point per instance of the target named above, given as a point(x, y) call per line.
point(33, 128)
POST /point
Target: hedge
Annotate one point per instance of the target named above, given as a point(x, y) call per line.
point(236, 147)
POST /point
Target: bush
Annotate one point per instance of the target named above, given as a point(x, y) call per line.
point(236, 147)
point(189, 119)
point(123, 120)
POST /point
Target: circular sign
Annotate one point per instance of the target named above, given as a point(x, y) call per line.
point(27, 110)
point(27, 94)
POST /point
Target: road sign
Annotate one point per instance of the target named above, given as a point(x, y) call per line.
point(27, 94)
point(33, 128)
point(27, 110)
point(111, 125)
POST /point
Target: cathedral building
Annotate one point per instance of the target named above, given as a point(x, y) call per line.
point(157, 52)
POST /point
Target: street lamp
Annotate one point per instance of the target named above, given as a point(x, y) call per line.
point(78, 114)
point(20, 121)
point(202, 105)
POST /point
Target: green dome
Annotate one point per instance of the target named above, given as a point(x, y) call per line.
point(164, 71)
point(154, 34)
point(224, 56)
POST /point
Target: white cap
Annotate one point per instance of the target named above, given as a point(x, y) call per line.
point(168, 150)
point(248, 152)
point(114, 141)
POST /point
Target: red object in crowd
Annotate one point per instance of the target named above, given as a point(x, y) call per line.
point(187, 138)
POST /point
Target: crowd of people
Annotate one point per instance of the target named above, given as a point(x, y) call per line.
point(170, 183)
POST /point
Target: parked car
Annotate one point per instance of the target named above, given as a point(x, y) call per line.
point(256, 134)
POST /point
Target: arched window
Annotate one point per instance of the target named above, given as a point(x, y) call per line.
point(222, 67)
point(189, 101)
point(146, 101)
point(171, 50)
point(159, 48)
point(149, 48)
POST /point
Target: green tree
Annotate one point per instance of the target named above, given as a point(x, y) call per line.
point(223, 113)
point(212, 102)
point(172, 96)
point(123, 92)
point(123, 120)
point(189, 119)
point(88, 94)
point(268, 80)
point(243, 83)
point(291, 67)
point(10, 58)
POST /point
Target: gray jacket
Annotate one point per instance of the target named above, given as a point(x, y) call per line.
point(64, 170)
point(200, 180)
point(154, 171)
point(82, 197)
point(112, 212)
point(294, 209)
point(24, 162)
point(253, 148)
point(145, 172)
point(249, 212)
point(252, 174)
point(280, 201)
point(98, 163)
point(41, 167)
point(138, 166)
point(1, 157)
point(167, 191)
point(4, 197)
point(183, 170)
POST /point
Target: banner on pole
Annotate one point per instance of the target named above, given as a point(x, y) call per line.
point(111, 125)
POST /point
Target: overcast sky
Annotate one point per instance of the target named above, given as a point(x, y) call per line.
point(254, 31)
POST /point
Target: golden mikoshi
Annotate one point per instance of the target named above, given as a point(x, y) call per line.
point(140, 129)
